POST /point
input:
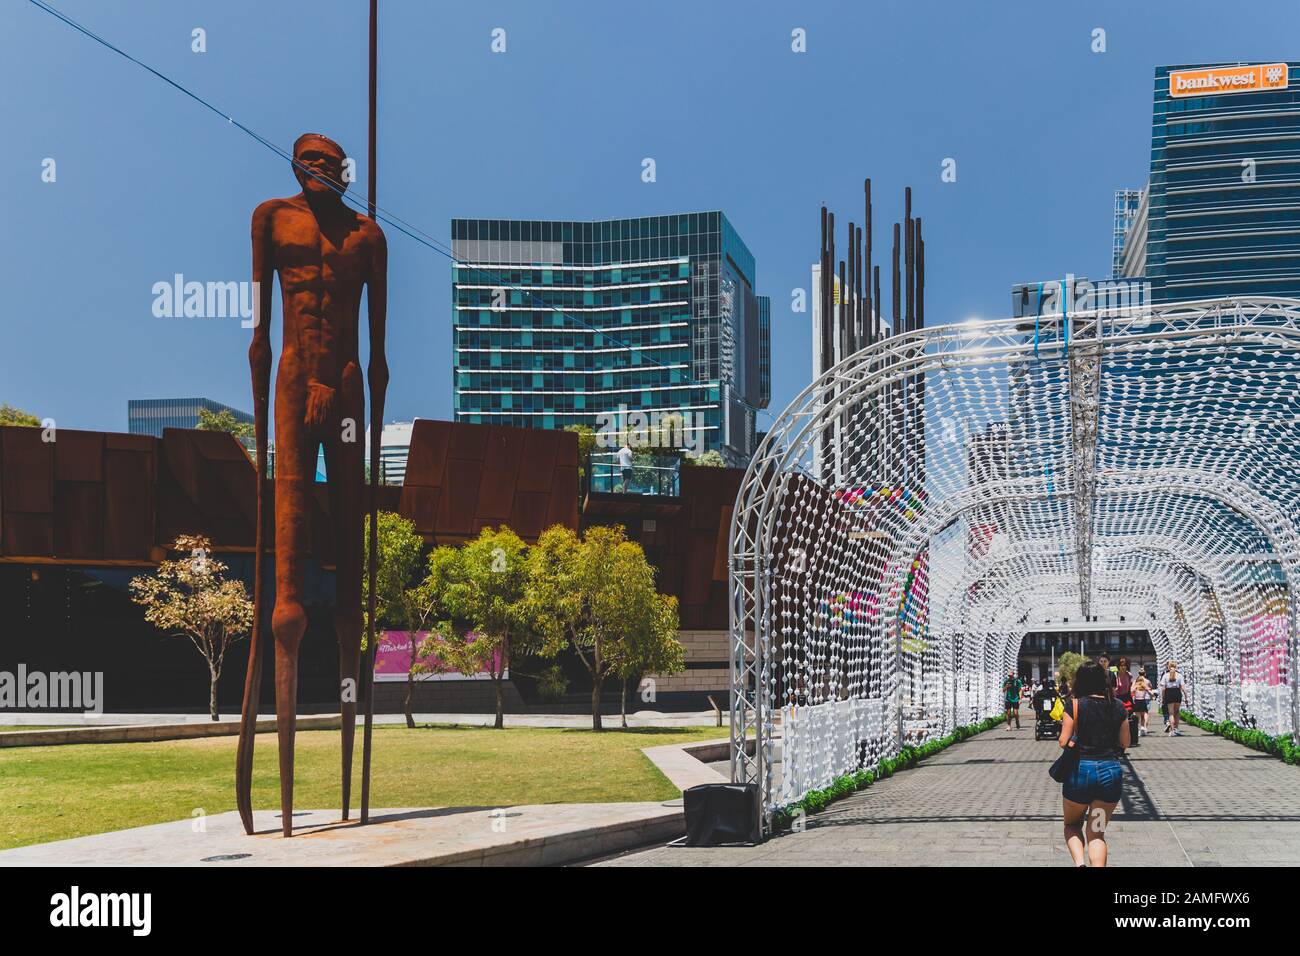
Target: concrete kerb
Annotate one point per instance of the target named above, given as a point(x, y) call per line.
point(685, 764)
point(530, 835)
point(145, 733)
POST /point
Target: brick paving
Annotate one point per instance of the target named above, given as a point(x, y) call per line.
point(1196, 800)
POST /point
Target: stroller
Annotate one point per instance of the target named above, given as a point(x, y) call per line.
point(1044, 700)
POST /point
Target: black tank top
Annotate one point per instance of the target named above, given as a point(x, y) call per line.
point(1098, 728)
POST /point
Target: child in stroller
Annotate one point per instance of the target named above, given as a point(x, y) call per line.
point(1044, 699)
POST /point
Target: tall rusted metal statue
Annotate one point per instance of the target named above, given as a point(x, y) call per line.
point(325, 253)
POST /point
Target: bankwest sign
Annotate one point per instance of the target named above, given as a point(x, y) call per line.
point(1214, 81)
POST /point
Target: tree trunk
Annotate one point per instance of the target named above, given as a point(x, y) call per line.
point(622, 702)
point(595, 703)
point(410, 674)
point(212, 693)
point(496, 684)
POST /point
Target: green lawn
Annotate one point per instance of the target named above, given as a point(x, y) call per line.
point(53, 793)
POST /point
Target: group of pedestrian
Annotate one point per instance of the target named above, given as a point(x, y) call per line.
point(1096, 725)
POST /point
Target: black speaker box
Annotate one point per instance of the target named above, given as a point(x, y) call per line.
point(722, 814)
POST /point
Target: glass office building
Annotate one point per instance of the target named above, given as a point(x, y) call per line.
point(558, 323)
point(149, 416)
point(1224, 193)
point(1128, 203)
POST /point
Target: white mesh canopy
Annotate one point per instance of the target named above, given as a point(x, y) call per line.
point(933, 497)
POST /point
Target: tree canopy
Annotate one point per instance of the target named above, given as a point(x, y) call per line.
point(9, 415)
point(480, 593)
point(397, 596)
point(224, 421)
point(188, 596)
point(597, 594)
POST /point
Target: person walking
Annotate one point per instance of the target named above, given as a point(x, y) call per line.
point(1141, 701)
point(1109, 671)
point(1123, 682)
point(1011, 697)
point(1097, 725)
point(1123, 688)
point(1171, 695)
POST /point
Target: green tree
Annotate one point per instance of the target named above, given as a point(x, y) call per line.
point(1068, 663)
point(597, 594)
point(586, 445)
point(652, 650)
point(398, 604)
point(9, 415)
point(480, 593)
point(225, 421)
point(710, 459)
point(188, 597)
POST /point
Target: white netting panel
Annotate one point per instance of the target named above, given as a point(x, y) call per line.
point(934, 497)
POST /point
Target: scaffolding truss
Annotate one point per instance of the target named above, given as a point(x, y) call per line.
point(936, 495)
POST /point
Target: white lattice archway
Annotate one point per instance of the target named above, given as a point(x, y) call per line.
point(924, 502)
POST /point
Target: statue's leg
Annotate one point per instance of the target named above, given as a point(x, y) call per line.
point(295, 473)
point(344, 466)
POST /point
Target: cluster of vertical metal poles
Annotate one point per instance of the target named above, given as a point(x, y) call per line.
point(855, 322)
point(852, 323)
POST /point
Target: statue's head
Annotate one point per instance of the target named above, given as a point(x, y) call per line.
point(323, 160)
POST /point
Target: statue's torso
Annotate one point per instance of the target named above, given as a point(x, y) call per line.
point(322, 268)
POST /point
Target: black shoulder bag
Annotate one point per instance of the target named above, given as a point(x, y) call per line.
point(1062, 769)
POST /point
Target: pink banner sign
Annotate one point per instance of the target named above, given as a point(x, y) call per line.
point(393, 660)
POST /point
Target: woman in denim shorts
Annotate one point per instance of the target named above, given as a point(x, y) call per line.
point(1099, 725)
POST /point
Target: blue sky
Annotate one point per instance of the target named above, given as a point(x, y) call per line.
point(149, 184)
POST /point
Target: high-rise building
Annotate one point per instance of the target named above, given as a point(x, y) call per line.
point(1223, 212)
point(838, 297)
point(394, 449)
point(1128, 207)
point(558, 323)
point(149, 416)
point(1133, 250)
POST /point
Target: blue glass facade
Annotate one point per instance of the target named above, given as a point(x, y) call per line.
point(556, 323)
point(1127, 204)
point(149, 416)
point(1224, 199)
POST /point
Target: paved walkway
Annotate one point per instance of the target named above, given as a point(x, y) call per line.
point(1196, 800)
point(545, 835)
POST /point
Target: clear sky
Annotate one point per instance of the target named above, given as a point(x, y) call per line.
point(150, 184)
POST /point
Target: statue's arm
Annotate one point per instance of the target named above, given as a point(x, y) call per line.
point(377, 306)
point(259, 352)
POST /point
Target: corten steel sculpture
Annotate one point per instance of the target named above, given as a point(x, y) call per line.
point(324, 253)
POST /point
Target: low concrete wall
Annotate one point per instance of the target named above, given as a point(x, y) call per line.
point(137, 733)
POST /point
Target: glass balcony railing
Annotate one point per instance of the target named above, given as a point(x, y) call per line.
point(649, 475)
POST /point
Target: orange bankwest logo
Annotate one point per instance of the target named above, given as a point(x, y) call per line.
point(1214, 81)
